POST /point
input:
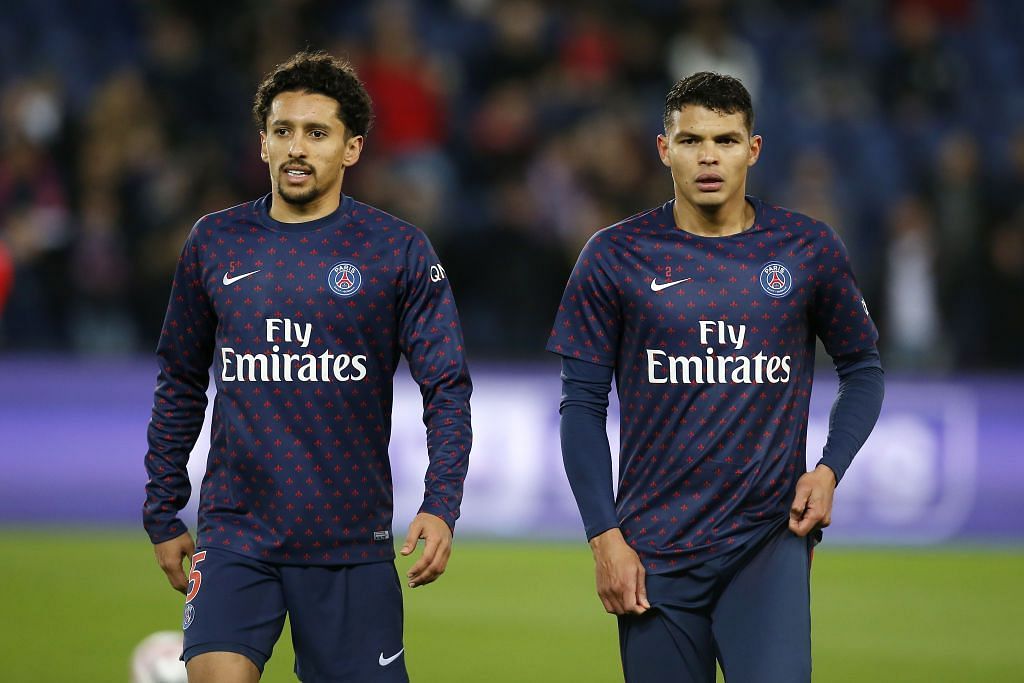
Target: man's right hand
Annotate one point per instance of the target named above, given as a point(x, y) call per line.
point(170, 554)
point(620, 574)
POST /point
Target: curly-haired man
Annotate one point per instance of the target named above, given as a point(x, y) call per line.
point(303, 302)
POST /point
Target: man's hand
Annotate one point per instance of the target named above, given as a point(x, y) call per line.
point(170, 554)
point(812, 504)
point(621, 579)
point(437, 548)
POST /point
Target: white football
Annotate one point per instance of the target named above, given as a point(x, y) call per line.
point(155, 659)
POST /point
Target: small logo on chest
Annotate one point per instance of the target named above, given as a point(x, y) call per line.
point(344, 279)
point(776, 280)
point(658, 286)
point(230, 279)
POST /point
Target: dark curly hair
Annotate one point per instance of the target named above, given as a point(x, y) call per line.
point(722, 94)
point(317, 72)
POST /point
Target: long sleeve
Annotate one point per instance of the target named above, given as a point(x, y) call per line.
point(586, 454)
point(184, 354)
point(855, 410)
point(431, 340)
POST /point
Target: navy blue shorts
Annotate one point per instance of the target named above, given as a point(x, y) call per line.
point(752, 614)
point(346, 621)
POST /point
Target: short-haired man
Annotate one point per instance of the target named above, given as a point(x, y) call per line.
point(706, 310)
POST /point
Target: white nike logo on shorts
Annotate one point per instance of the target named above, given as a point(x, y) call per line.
point(384, 661)
point(229, 280)
point(655, 287)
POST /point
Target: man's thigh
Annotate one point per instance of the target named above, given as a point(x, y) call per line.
point(346, 623)
point(667, 645)
point(222, 667)
point(762, 619)
point(235, 605)
point(672, 642)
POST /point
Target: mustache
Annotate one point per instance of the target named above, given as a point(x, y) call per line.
point(291, 165)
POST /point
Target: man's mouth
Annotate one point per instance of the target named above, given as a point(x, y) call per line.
point(297, 174)
point(710, 182)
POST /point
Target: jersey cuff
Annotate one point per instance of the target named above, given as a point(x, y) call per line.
point(444, 513)
point(599, 529)
point(165, 533)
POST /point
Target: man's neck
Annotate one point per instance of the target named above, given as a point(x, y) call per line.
point(730, 218)
point(287, 212)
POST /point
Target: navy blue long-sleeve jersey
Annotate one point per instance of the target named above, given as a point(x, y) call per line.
point(304, 325)
point(712, 342)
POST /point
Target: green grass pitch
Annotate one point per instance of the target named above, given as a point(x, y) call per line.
point(76, 603)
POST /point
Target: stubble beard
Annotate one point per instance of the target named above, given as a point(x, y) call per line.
point(297, 196)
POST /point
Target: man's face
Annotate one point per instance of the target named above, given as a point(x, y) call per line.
point(305, 147)
point(709, 154)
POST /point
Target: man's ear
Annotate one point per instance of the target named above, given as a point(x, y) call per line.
point(663, 151)
point(755, 150)
point(353, 148)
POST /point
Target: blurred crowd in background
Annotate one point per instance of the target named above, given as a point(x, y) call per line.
point(512, 130)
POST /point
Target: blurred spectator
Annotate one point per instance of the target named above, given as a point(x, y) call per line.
point(921, 77)
point(506, 300)
point(708, 44)
point(504, 131)
point(406, 84)
point(830, 78)
point(1007, 191)
point(1005, 292)
point(101, 273)
point(34, 218)
point(409, 88)
point(961, 220)
point(914, 336)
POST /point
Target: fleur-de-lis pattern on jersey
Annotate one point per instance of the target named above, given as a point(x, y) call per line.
point(713, 374)
point(298, 470)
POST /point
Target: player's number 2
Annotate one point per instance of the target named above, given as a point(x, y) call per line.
point(195, 577)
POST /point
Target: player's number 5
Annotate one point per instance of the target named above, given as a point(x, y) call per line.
point(195, 578)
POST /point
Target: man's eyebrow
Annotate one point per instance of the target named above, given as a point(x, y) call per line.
point(307, 124)
point(691, 134)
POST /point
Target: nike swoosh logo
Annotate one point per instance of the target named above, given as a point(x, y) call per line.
point(655, 287)
point(384, 661)
point(229, 280)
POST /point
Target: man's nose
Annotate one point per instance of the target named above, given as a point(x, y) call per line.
point(707, 153)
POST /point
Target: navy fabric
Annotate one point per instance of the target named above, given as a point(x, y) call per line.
point(750, 612)
point(855, 410)
point(346, 620)
point(712, 342)
point(586, 453)
point(304, 325)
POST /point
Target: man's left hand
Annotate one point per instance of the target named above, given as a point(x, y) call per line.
point(812, 504)
point(437, 548)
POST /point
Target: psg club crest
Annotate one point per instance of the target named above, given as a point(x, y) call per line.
point(776, 280)
point(190, 615)
point(344, 279)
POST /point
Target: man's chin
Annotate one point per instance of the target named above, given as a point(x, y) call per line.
point(708, 200)
point(298, 198)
